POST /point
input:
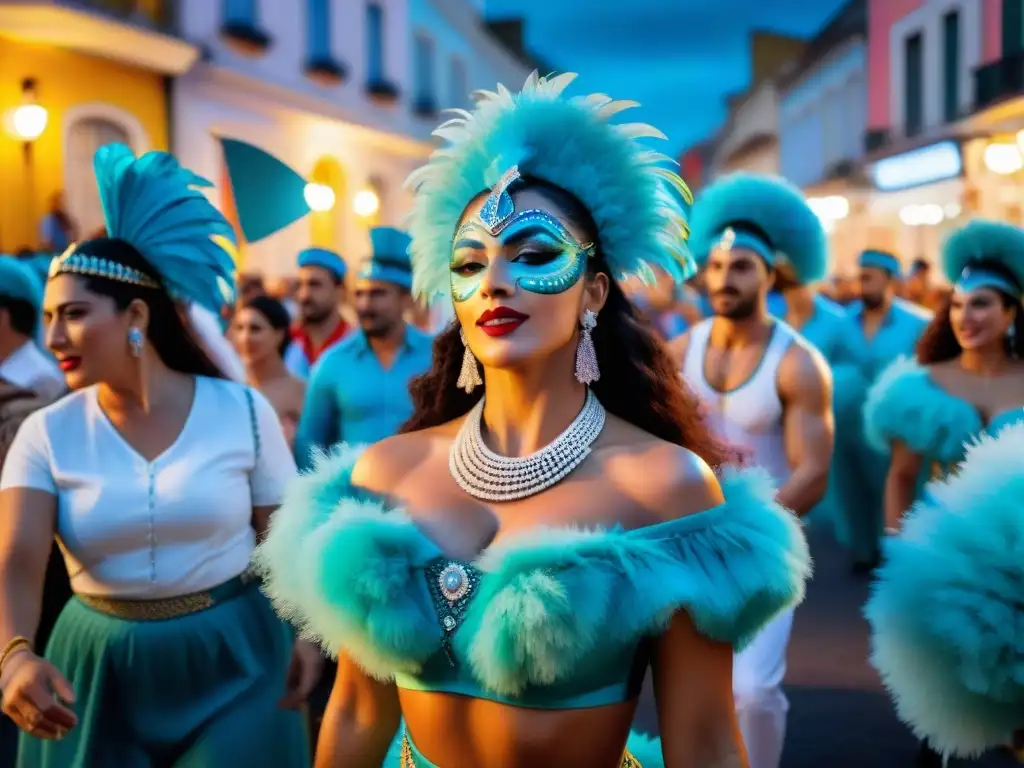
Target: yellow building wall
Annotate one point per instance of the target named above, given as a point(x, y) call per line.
point(64, 79)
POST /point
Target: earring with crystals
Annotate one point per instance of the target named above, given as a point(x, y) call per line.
point(135, 342)
point(587, 371)
point(469, 376)
point(1011, 338)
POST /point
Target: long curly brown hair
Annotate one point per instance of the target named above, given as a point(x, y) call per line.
point(639, 382)
point(938, 342)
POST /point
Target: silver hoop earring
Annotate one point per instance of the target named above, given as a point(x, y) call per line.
point(587, 370)
point(135, 342)
point(469, 376)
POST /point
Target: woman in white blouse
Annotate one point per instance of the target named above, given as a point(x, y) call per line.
point(156, 475)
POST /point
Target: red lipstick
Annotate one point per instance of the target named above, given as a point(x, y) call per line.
point(501, 321)
point(69, 364)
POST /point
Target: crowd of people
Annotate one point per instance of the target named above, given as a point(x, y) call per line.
point(453, 508)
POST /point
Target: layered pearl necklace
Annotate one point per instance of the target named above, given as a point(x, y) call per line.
point(485, 475)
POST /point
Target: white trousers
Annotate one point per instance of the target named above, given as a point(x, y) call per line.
point(761, 706)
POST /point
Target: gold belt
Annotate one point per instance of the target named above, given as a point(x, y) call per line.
point(167, 608)
point(408, 760)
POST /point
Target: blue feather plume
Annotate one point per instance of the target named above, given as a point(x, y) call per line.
point(984, 240)
point(775, 206)
point(631, 191)
point(156, 205)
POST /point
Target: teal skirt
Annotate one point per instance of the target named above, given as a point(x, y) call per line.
point(199, 691)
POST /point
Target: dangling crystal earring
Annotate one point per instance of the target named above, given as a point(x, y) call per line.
point(469, 376)
point(587, 371)
point(1011, 338)
point(135, 342)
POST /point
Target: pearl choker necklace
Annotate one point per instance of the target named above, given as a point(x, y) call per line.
point(485, 475)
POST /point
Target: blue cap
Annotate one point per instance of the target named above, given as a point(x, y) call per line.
point(881, 260)
point(325, 259)
point(18, 282)
point(390, 260)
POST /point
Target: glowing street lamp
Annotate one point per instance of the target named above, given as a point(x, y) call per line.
point(29, 119)
point(319, 197)
point(366, 203)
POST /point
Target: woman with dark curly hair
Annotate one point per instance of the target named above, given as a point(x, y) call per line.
point(966, 382)
point(967, 377)
point(550, 524)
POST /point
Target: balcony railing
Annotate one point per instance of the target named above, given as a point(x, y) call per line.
point(998, 81)
point(156, 14)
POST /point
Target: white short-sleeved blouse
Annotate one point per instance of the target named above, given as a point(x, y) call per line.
point(182, 523)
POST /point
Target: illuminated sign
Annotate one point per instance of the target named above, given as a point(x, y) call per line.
point(926, 165)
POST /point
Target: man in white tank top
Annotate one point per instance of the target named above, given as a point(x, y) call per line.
point(768, 393)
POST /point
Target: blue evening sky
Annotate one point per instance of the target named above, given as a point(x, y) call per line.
point(678, 58)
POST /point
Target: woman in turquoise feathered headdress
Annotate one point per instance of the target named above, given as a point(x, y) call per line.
point(967, 381)
point(557, 458)
point(157, 474)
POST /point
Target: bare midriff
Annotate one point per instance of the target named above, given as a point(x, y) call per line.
point(454, 730)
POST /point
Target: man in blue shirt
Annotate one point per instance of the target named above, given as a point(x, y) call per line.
point(320, 294)
point(888, 327)
point(359, 391)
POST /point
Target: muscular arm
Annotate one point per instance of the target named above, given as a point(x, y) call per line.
point(900, 483)
point(805, 388)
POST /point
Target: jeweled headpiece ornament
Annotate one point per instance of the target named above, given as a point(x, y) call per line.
point(969, 254)
point(630, 190)
point(157, 206)
point(83, 264)
point(766, 214)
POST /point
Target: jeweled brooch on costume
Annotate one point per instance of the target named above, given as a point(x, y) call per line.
point(451, 586)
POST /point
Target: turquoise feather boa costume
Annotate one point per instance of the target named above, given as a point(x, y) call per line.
point(948, 609)
point(348, 571)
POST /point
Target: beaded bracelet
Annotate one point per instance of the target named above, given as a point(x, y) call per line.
point(15, 644)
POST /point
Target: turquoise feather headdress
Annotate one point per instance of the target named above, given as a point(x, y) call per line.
point(969, 248)
point(773, 206)
point(630, 190)
point(156, 205)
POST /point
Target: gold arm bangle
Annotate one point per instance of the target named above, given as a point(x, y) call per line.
point(15, 644)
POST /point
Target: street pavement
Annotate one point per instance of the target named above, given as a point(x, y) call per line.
point(840, 716)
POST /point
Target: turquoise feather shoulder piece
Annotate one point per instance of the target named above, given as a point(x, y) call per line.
point(634, 196)
point(905, 405)
point(948, 606)
point(349, 572)
point(157, 205)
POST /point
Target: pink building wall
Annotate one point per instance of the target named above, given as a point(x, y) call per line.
point(882, 14)
point(992, 45)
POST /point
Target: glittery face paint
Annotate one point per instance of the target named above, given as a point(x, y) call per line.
point(543, 257)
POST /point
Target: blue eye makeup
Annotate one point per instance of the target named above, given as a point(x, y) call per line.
point(543, 257)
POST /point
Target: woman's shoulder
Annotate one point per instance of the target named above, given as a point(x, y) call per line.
point(665, 480)
point(383, 466)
